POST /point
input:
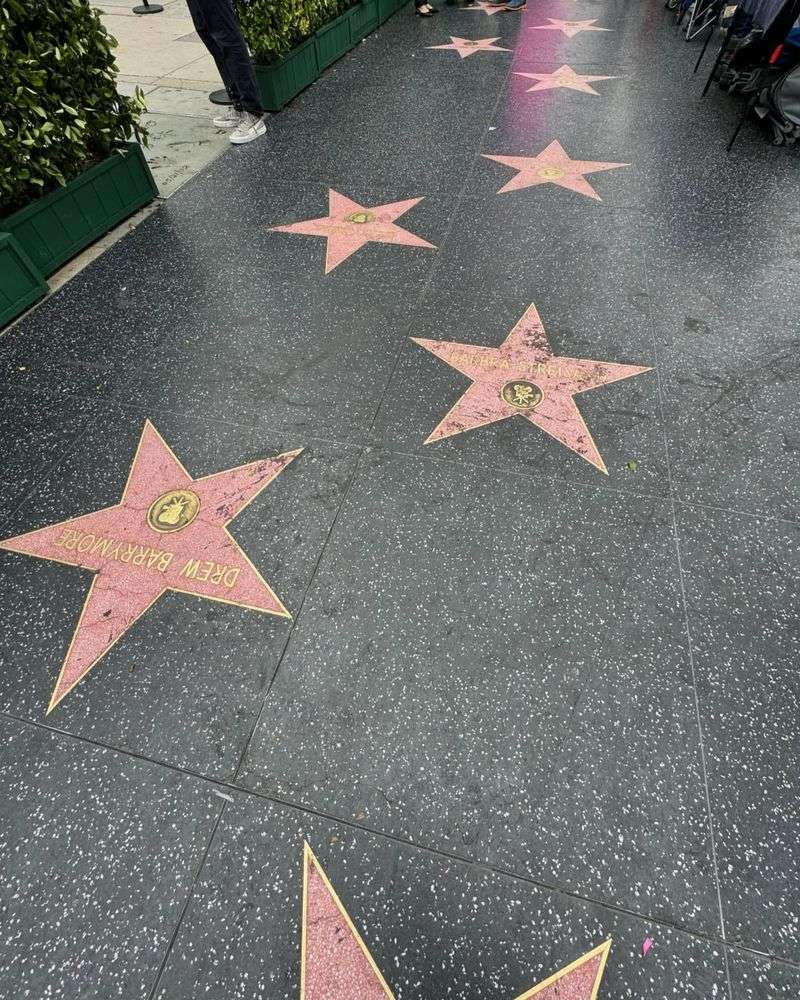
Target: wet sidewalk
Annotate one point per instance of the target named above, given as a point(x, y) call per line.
point(400, 579)
point(161, 55)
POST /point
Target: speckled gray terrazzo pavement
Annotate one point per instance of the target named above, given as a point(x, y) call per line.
point(521, 707)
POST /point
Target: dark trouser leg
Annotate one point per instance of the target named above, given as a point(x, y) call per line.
point(216, 24)
point(197, 10)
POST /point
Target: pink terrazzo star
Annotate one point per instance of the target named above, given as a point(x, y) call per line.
point(523, 378)
point(335, 962)
point(168, 532)
point(564, 76)
point(578, 981)
point(487, 8)
point(552, 166)
point(348, 226)
point(469, 46)
point(570, 28)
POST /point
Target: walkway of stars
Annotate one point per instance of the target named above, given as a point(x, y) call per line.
point(169, 531)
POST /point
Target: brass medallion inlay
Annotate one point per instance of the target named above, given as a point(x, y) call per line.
point(551, 173)
point(360, 217)
point(173, 511)
point(522, 395)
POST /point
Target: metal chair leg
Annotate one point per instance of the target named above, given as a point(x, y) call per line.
point(718, 60)
point(751, 103)
point(709, 36)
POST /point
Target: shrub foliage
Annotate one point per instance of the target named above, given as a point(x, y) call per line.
point(59, 108)
point(273, 27)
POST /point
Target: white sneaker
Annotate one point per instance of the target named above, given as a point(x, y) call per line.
point(250, 127)
point(229, 118)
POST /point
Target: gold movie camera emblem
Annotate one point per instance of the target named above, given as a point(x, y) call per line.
point(522, 395)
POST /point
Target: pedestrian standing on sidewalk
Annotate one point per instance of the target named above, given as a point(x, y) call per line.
point(424, 9)
point(218, 27)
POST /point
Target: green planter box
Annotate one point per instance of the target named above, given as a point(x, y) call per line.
point(20, 283)
point(363, 19)
point(282, 81)
point(333, 41)
point(388, 7)
point(65, 221)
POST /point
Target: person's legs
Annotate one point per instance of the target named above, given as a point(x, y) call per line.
point(201, 26)
point(228, 48)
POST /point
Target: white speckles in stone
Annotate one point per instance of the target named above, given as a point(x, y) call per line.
point(436, 928)
point(492, 659)
point(100, 852)
point(444, 683)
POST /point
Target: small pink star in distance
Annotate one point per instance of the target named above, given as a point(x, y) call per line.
point(469, 46)
point(570, 28)
point(564, 76)
point(348, 226)
point(552, 166)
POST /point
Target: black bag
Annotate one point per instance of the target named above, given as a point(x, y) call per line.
point(779, 106)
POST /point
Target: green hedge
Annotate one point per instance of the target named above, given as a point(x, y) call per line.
point(59, 108)
point(274, 27)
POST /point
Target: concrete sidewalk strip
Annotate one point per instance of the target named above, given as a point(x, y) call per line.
point(193, 103)
point(180, 146)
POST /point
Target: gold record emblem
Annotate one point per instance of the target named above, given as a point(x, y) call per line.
point(522, 395)
point(173, 511)
point(360, 217)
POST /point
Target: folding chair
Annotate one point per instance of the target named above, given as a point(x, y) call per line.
point(702, 16)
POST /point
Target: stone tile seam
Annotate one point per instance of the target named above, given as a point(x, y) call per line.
point(298, 614)
point(472, 166)
point(189, 896)
point(176, 114)
point(758, 517)
point(251, 426)
point(411, 845)
point(577, 483)
point(690, 651)
point(186, 65)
